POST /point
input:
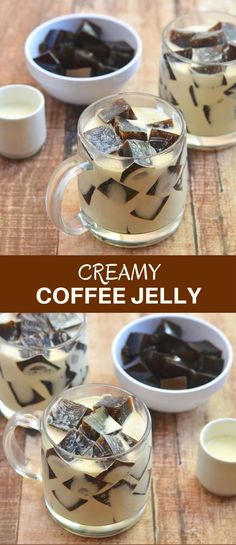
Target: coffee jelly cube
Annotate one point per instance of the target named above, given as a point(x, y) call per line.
point(135, 344)
point(117, 407)
point(104, 138)
point(172, 345)
point(137, 149)
point(176, 383)
point(126, 130)
point(182, 38)
point(67, 414)
point(119, 108)
point(211, 364)
point(139, 371)
point(170, 328)
point(99, 422)
point(48, 61)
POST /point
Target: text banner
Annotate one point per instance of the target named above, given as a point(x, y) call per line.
point(118, 284)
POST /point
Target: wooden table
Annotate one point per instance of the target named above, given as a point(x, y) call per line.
point(209, 225)
point(179, 510)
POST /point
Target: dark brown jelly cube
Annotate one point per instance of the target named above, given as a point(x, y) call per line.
point(168, 327)
point(167, 138)
point(129, 170)
point(36, 363)
point(104, 138)
point(99, 422)
point(135, 344)
point(111, 444)
point(205, 347)
point(170, 344)
point(67, 414)
point(117, 407)
point(48, 61)
point(186, 53)
point(119, 58)
point(64, 37)
point(49, 41)
point(167, 57)
point(165, 365)
point(76, 442)
point(118, 108)
point(172, 368)
point(85, 72)
point(230, 52)
point(222, 26)
point(129, 440)
point(138, 214)
point(208, 39)
point(208, 69)
point(154, 361)
point(88, 36)
point(98, 48)
point(90, 29)
point(231, 91)
point(60, 337)
point(83, 59)
point(121, 46)
point(176, 383)
point(164, 124)
point(126, 130)
point(159, 144)
point(137, 149)
point(68, 443)
point(103, 69)
point(211, 364)
point(10, 331)
point(139, 371)
point(116, 191)
point(182, 38)
point(199, 379)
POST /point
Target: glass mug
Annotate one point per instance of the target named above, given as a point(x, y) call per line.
point(32, 374)
point(88, 496)
point(203, 88)
point(123, 201)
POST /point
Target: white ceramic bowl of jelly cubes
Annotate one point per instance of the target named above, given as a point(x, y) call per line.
point(83, 89)
point(193, 382)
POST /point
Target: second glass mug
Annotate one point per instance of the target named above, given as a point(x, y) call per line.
point(74, 484)
point(31, 374)
point(143, 203)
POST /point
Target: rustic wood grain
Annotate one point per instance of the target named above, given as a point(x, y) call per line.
point(10, 497)
point(180, 511)
point(209, 224)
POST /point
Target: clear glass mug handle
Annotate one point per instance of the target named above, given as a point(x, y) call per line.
point(26, 467)
point(59, 181)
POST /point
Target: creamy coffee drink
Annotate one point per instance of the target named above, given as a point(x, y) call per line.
point(134, 189)
point(40, 355)
point(97, 473)
point(198, 74)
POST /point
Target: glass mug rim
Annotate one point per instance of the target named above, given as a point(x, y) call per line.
point(41, 349)
point(172, 24)
point(97, 385)
point(88, 110)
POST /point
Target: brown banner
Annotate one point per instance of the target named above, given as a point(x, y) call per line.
point(117, 284)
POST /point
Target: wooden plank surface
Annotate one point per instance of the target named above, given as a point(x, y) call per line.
point(209, 225)
point(179, 511)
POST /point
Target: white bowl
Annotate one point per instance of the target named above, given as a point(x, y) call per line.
point(83, 90)
point(173, 401)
